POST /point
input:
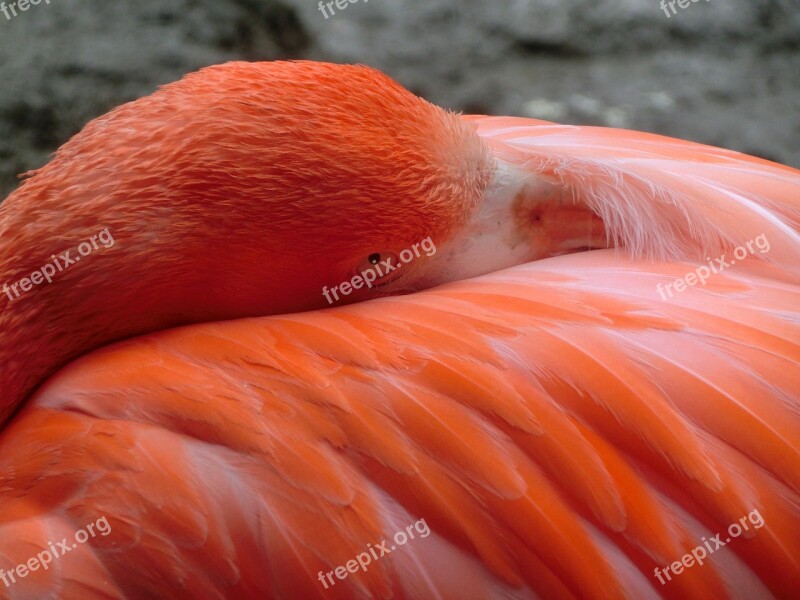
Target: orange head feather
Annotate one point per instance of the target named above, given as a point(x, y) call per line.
point(240, 190)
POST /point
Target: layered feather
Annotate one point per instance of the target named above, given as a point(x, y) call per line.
point(551, 423)
point(660, 198)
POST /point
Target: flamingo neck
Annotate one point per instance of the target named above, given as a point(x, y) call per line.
point(57, 303)
point(38, 335)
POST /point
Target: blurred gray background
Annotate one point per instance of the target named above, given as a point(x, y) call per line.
point(724, 72)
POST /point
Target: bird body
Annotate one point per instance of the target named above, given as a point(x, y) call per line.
point(563, 428)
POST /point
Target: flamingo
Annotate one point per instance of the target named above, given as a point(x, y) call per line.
point(525, 395)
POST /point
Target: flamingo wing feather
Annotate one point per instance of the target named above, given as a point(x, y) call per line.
point(657, 196)
point(548, 430)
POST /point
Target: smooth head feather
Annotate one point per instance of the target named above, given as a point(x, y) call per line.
point(240, 190)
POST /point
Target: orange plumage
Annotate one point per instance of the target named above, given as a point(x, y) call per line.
point(561, 428)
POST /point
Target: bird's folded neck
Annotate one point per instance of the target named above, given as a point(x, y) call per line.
point(69, 287)
point(76, 284)
point(48, 311)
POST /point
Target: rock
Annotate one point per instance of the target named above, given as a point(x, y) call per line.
point(724, 72)
point(68, 62)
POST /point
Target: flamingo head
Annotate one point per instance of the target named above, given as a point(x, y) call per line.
point(244, 189)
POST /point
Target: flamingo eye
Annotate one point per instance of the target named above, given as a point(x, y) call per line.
point(378, 266)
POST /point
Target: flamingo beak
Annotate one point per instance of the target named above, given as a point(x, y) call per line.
point(521, 218)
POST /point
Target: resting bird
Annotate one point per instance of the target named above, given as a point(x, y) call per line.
point(535, 402)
